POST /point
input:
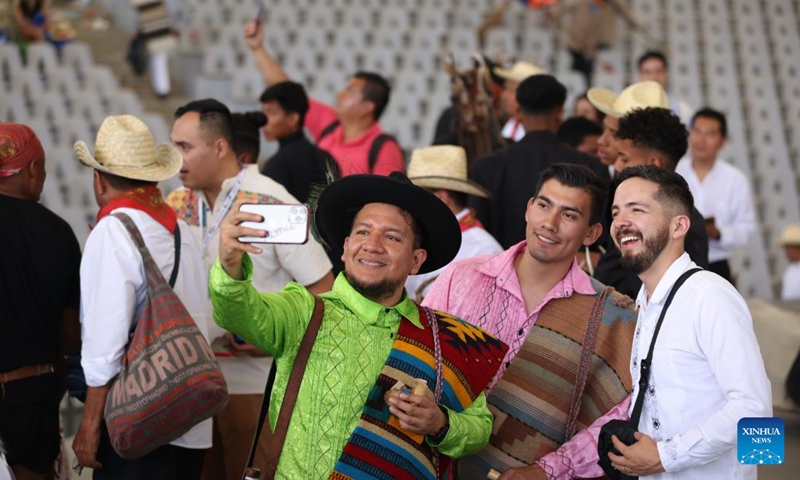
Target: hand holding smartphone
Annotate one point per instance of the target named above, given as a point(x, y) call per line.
point(285, 223)
point(261, 13)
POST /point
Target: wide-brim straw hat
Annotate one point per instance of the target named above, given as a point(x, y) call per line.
point(445, 167)
point(790, 236)
point(125, 147)
point(519, 71)
point(333, 216)
point(639, 95)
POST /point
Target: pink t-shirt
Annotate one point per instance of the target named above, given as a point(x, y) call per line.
point(352, 156)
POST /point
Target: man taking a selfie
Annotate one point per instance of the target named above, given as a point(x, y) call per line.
point(213, 180)
point(352, 414)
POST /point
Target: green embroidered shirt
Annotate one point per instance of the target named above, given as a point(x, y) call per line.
point(354, 340)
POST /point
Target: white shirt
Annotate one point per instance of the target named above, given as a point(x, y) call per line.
point(513, 130)
point(276, 266)
point(113, 290)
point(474, 241)
point(5, 470)
point(725, 195)
point(707, 373)
point(682, 109)
point(790, 289)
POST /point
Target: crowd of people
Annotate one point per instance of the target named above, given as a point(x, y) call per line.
point(523, 288)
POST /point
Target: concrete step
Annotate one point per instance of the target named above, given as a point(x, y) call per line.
point(110, 48)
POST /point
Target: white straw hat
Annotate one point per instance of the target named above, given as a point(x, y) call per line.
point(125, 148)
point(790, 236)
point(519, 71)
point(445, 167)
point(639, 95)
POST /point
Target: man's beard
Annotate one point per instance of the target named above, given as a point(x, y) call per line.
point(652, 248)
point(373, 291)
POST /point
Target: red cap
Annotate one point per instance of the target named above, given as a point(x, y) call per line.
point(19, 146)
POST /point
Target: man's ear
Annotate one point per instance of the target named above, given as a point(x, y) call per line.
point(294, 119)
point(33, 172)
point(32, 177)
point(221, 147)
point(443, 195)
point(368, 107)
point(528, 208)
point(100, 185)
point(593, 234)
point(344, 248)
point(419, 257)
point(679, 226)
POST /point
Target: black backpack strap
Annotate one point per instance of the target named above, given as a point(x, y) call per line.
point(174, 275)
point(328, 130)
point(375, 149)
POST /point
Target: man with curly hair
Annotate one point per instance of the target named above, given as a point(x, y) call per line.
point(649, 136)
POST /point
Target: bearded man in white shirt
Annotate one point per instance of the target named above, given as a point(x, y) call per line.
point(707, 372)
point(720, 190)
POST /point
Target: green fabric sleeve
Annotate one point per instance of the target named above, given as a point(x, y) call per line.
point(273, 322)
point(469, 430)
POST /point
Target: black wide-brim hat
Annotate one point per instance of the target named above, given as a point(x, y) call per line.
point(340, 199)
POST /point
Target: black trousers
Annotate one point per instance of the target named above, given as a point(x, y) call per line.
point(29, 422)
point(166, 463)
point(722, 269)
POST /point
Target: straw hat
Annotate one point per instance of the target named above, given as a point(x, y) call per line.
point(443, 166)
point(519, 71)
point(790, 236)
point(125, 148)
point(639, 95)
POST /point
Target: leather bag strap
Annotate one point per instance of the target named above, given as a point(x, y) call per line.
point(289, 398)
point(585, 363)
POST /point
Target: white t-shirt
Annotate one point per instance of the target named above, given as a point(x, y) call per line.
point(272, 270)
point(513, 130)
point(5, 470)
point(790, 289)
point(113, 290)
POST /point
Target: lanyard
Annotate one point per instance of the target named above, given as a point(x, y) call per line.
point(226, 205)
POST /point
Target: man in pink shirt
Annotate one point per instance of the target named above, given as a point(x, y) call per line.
point(349, 131)
point(567, 368)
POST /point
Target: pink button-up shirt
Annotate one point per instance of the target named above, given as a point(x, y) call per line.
point(485, 291)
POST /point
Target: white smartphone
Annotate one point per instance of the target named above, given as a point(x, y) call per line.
point(286, 223)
